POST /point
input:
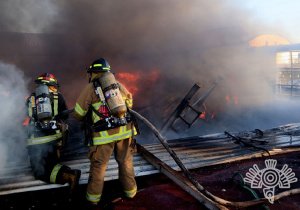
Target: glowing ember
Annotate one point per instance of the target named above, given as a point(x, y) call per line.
point(203, 115)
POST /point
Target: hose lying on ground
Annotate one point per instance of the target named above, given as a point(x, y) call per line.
point(200, 188)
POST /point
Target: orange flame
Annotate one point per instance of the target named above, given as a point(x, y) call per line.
point(208, 114)
point(129, 80)
point(203, 115)
point(132, 80)
point(26, 121)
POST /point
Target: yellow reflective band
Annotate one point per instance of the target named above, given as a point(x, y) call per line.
point(79, 110)
point(43, 139)
point(98, 140)
point(31, 102)
point(103, 133)
point(94, 198)
point(95, 117)
point(54, 173)
point(97, 65)
point(106, 68)
point(130, 193)
point(55, 104)
point(30, 111)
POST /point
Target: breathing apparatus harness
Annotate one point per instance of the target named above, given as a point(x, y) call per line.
point(43, 114)
point(107, 121)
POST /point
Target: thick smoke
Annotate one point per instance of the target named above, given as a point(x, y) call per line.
point(27, 15)
point(12, 93)
point(179, 42)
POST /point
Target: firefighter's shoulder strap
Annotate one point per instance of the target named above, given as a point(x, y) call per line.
point(97, 112)
point(99, 93)
point(55, 103)
point(98, 90)
point(32, 107)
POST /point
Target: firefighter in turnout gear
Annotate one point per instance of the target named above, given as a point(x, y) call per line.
point(104, 103)
point(47, 133)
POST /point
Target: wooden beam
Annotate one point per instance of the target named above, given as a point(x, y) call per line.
point(206, 198)
point(180, 180)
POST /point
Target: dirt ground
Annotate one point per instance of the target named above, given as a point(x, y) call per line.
point(158, 192)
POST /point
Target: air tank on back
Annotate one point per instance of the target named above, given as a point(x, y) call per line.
point(113, 95)
point(43, 102)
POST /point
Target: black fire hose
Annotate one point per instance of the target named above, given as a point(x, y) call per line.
point(171, 152)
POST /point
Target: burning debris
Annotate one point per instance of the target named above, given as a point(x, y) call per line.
point(187, 112)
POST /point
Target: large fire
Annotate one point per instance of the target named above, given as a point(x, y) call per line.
point(135, 80)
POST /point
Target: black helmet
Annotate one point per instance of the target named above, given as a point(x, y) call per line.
point(99, 65)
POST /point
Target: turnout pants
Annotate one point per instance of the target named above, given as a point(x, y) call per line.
point(99, 156)
point(44, 160)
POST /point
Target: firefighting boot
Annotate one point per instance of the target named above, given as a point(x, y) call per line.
point(72, 177)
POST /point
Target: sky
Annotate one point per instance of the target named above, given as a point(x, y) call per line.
point(277, 14)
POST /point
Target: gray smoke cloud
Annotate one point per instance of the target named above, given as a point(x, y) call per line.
point(26, 16)
point(168, 45)
point(12, 135)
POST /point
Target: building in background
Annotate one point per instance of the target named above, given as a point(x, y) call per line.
point(287, 59)
point(288, 70)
